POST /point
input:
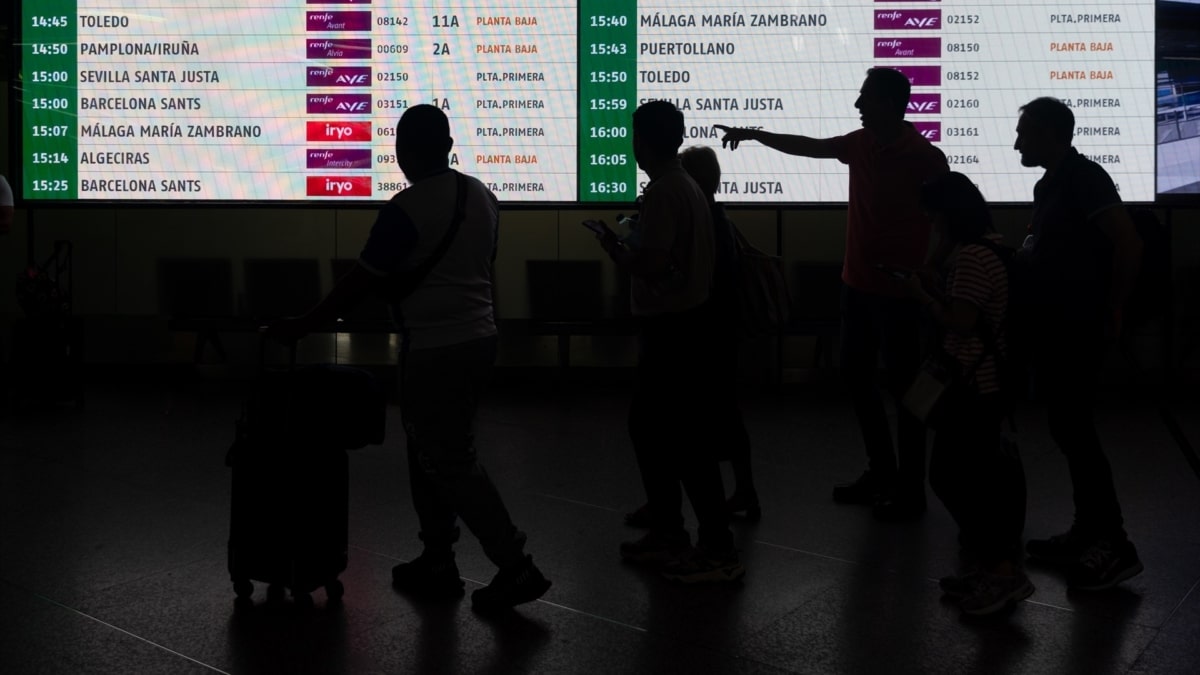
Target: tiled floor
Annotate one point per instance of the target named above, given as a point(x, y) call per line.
point(113, 526)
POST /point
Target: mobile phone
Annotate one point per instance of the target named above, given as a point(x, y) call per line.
point(902, 275)
point(599, 228)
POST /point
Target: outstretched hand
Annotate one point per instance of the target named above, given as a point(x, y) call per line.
point(734, 135)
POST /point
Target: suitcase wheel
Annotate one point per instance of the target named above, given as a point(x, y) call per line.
point(243, 589)
point(334, 591)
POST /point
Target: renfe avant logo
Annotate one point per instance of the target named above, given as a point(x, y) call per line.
point(907, 47)
point(331, 131)
point(338, 186)
point(326, 21)
point(922, 76)
point(338, 76)
point(338, 104)
point(908, 19)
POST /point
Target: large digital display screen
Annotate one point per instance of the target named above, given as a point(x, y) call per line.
point(294, 100)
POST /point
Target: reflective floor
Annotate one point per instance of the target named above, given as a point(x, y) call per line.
point(113, 526)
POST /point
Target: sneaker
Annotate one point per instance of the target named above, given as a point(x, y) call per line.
point(639, 517)
point(868, 489)
point(700, 567)
point(959, 586)
point(744, 504)
point(1104, 565)
point(429, 578)
point(520, 583)
point(656, 548)
point(991, 593)
point(1060, 550)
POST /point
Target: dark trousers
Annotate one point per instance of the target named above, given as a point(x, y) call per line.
point(730, 437)
point(440, 390)
point(871, 325)
point(1067, 360)
point(980, 479)
point(671, 419)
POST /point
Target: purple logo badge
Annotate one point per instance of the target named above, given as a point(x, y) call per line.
point(354, 48)
point(924, 104)
point(338, 76)
point(357, 158)
point(907, 47)
point(338, 104)
point(930, 130)
point(339, 2)
point(318, 21)
point(922, 76)
point(908, 19)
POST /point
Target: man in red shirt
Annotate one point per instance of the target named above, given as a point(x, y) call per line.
point(889, 160)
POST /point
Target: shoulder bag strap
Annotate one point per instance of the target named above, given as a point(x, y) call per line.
point(460, 214)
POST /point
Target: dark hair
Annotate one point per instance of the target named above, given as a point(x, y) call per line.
point(659, 126)
point(1052, 115)
point(964, 210)
point(893, 85)
point(700, 161)
point(423, 127)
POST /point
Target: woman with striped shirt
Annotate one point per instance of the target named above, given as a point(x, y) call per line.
point(974, 471)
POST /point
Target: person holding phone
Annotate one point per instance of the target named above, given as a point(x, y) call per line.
point(670, 415)
point(976, 473)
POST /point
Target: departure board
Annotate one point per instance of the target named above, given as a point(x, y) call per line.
point(285, 101)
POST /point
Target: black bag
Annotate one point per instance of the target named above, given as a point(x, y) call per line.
point(397, 287)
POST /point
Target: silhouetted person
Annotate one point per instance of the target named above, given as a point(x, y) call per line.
point(674, 400)
point(448, 351)
point(888, 160)
point(1078, 267)
point(6, 206)
point(974, 471)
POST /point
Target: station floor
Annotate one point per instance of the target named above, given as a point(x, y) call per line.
point(114, 520)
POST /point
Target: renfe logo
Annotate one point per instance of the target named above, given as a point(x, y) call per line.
point(907, 47)
point(325, 132)
point(339, 158)
point(930, 130)
point(342, 48)
point(327, 21)
point(338, 104)
point(922, 76)
point(908, 19)
point(924, 104)
point(338, 186)
point(338, 76)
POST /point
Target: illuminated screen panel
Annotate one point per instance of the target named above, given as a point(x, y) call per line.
point(297, 101)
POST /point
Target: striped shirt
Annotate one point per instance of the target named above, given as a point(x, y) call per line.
point(978, 276)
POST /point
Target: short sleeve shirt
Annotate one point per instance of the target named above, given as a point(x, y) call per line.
point(675, 217)
point(454, 302)
point(884, 222)
point(979, 277)
point(1069, 256)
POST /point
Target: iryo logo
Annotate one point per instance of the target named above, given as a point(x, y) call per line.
point(338, 186)
point(338, 131)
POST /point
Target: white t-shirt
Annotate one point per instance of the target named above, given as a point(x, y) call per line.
point(454, 302)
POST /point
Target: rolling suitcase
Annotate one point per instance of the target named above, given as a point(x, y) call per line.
point(290, 494)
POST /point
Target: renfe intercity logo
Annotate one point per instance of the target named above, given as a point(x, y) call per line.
point(338, 76)
point(339, 158)
point(338, 104)
point(332, 131)
point(338, 186)
point(908, 19)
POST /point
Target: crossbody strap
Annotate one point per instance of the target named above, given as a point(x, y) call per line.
point(460, 214)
